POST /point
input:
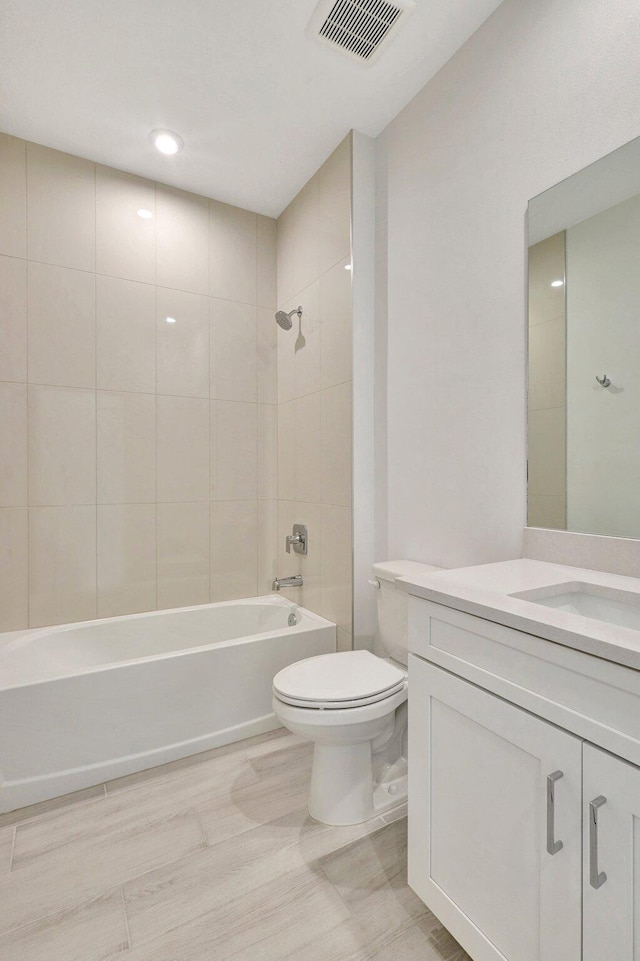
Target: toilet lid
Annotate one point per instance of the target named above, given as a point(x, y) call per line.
point(341, 680)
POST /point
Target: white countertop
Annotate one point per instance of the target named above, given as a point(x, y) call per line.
point(484, 591)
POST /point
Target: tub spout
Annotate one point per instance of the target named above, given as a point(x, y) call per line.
point(295, 581)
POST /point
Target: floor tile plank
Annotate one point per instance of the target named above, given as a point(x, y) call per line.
point(216, 857)
point(93, 931)
point(86, 865)
point(181, 891)
point(157, 799)
point(267, 923)
point(371, 877)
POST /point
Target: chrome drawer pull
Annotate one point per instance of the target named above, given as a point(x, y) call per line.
point(553, 846)
point(596, 879)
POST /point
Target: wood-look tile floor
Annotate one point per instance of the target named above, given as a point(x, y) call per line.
point(210, 858)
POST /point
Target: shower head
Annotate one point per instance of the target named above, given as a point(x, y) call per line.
point(283, 319)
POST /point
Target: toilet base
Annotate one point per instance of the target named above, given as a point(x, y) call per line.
point(342, 788)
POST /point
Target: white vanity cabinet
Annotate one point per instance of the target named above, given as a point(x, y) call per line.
point(524, 833)
point(611, 906)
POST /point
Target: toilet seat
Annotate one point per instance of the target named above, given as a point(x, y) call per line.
point(338, 681)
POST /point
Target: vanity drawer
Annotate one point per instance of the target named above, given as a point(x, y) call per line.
point(594, 698)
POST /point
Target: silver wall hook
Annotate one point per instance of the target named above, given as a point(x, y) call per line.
point(603, 381)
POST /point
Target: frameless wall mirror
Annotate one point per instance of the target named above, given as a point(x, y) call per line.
point(584, 350)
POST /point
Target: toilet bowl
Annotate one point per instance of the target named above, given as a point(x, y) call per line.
point(353, 707)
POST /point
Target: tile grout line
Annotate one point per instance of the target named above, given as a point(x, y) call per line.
point(13, 848)
point(126, 917)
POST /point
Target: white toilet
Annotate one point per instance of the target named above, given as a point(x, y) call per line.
point(353, 706)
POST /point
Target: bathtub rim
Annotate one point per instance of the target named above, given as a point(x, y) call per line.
point(8, 638)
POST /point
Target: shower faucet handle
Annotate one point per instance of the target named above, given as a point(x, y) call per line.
point(299, 540)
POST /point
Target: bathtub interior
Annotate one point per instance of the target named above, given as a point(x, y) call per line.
point(76, 648)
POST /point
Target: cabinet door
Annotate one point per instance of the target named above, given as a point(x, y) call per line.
point(484, 821)
point(611, 891)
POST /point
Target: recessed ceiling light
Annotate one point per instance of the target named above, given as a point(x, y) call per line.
point(165, 141)
point(145, 214)
point(557, 283)
point(170, 320)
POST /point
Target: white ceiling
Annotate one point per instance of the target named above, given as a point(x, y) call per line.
point(258, 104)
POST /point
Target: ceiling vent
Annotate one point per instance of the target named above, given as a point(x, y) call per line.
point(360, 28)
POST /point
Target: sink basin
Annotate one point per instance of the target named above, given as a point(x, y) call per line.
point(607, 604)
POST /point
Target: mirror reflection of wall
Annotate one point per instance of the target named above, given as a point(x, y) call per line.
point(547, 384)
point(603, 336)
point(584, 326)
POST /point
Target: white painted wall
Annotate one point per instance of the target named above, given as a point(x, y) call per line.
point(540, 91)
point(603, 337)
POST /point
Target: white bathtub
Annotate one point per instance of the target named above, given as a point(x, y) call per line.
point(84, 703)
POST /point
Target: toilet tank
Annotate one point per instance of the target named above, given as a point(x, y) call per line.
point(393, 604)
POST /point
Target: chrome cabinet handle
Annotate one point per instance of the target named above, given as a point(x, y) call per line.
point(553, 846)
point(596, 879)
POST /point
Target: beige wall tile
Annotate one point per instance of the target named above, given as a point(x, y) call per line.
point(183, 449)
point(13, 445)
point(62, 565)
point(335, 206)
point(547, 511)
point(234, 450)
point(182, 232)
point(267, 537)
point(267, 356)
point(336, 445)
point(267, 451)
point(299, 449)
point(299, 360)
point(314, 378)
point(308, 448)
point(233, 351)
point(182, 347)
point(62, 326)
point(14, 569)
point(126, 326)
point(126, 559)
point(13, 196)
point(344, 640)
point(126, 448)
point(13, 319)
point(124, 410)
point(299, 242)
point(547, 365)
point(61, 210)
point(62, 446)
point(266, 262)
point(125, 242)
point(234, 549)
point(286, 230)
point(547, 451)
point(287, 451)
point(183, 554)
point(232, 253)
point(336, 327)
point(336, 565)
point(546, 264)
